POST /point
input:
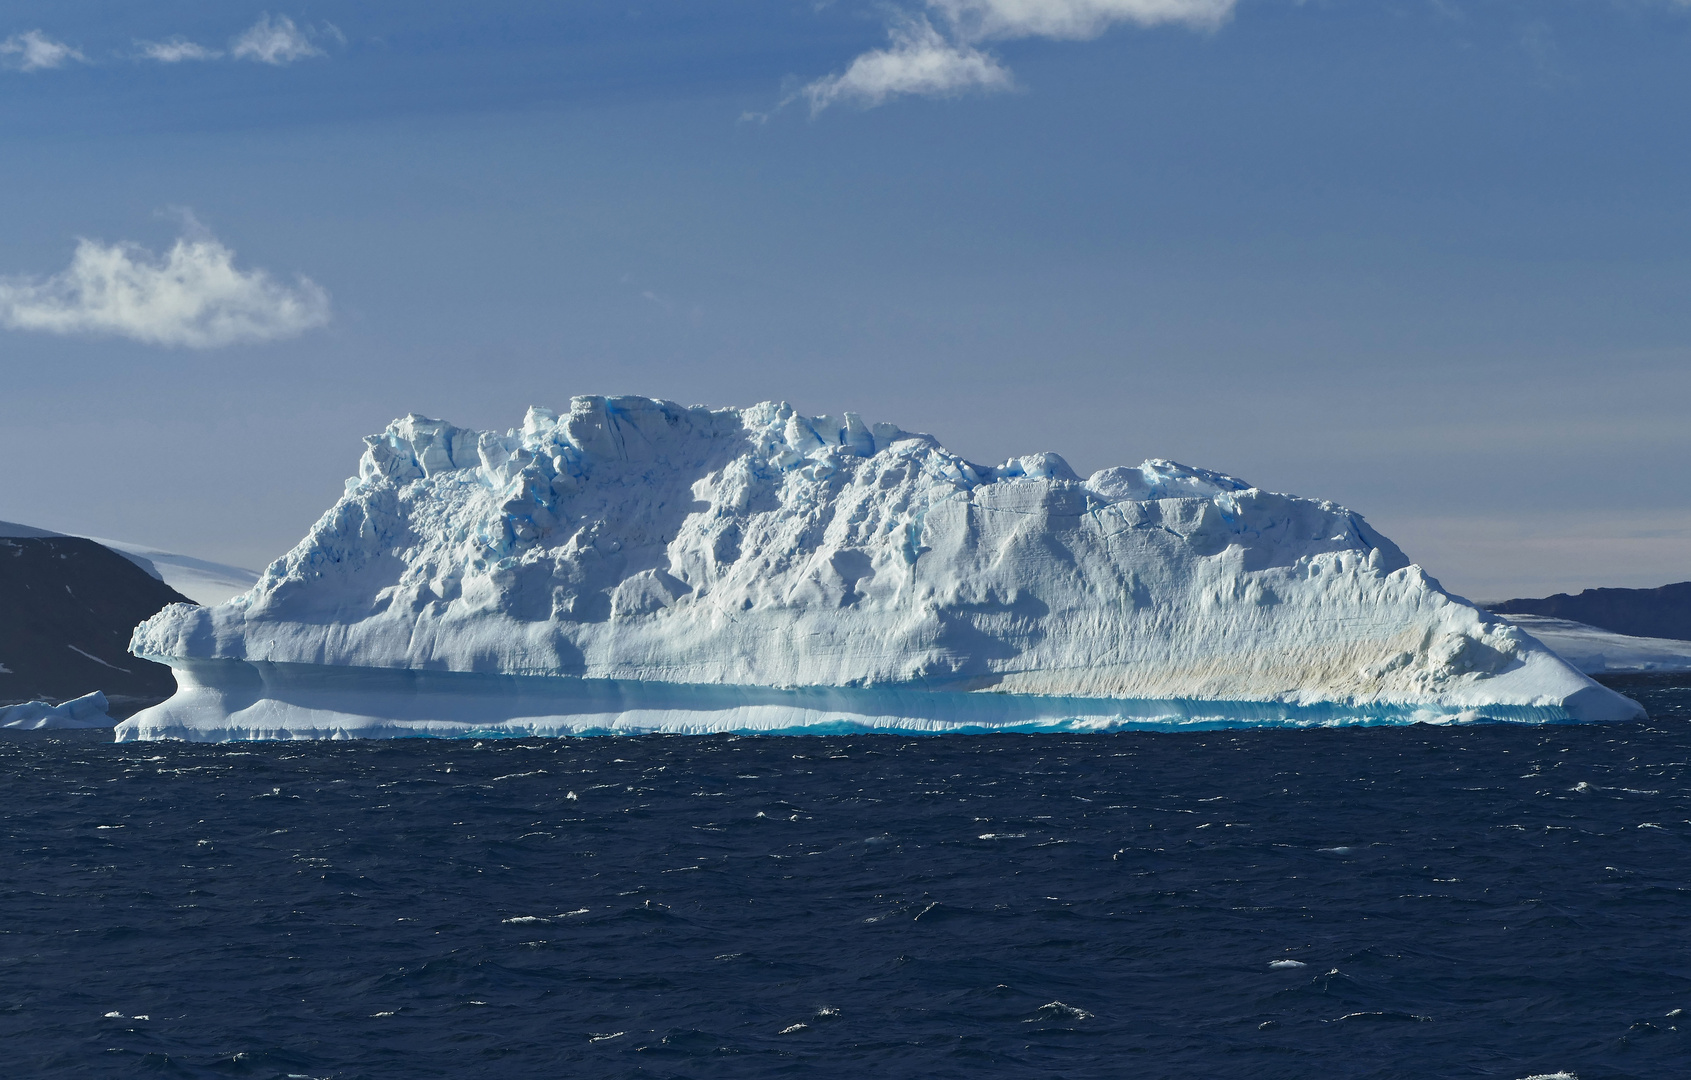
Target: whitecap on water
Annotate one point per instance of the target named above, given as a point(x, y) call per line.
point(1056, 1010)
point(1278, 965)
point(529, 920)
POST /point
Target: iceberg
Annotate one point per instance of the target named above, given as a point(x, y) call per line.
point(87, 711)
point(633, 565)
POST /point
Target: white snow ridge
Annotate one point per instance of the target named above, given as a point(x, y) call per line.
point(635, 565)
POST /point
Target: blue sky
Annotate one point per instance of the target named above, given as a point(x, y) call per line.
point(1429, 260)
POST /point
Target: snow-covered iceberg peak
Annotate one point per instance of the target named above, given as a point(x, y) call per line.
point(640, 541)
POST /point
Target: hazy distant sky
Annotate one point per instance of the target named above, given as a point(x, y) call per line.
point(1431, 260)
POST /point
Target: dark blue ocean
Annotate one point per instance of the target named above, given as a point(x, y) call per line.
point(1487, 901)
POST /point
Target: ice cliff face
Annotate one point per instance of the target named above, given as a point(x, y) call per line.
point(636, 539)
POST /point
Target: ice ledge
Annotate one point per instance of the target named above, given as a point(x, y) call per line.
point(87, 711)
point(229, 700)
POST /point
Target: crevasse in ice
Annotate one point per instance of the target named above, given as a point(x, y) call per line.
point(583, 571)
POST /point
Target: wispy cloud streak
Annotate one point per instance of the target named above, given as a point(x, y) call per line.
point(274, 41)
point(1072, 20)
point(33, 50)
point(937, 52)
point(175, 50)
point(919, 60)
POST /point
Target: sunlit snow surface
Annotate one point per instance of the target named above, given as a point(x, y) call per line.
point(758, 570)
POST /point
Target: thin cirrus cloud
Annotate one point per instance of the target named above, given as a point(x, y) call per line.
point(194, 296)
point(936, 52)
point(33, 50)
point(277, 41)
point(274, 41)
point(175, 50)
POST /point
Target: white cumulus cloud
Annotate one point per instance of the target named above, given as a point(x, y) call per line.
point(34, 51)
point(947, 60)
point(194, 296)
point(175, 50)
point(920, 60)
point(274, 41)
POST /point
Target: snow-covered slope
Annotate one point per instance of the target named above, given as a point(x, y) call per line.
point(1595, 651)
point(200, 580)
point(769, 556)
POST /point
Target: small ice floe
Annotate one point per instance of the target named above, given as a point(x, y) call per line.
point(1285, 965)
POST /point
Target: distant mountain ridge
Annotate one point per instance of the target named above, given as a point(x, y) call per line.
point(1664, 612)
point(201, 580)
point(69, 606)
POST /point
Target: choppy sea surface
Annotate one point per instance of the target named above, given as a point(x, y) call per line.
point(1490, 901)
